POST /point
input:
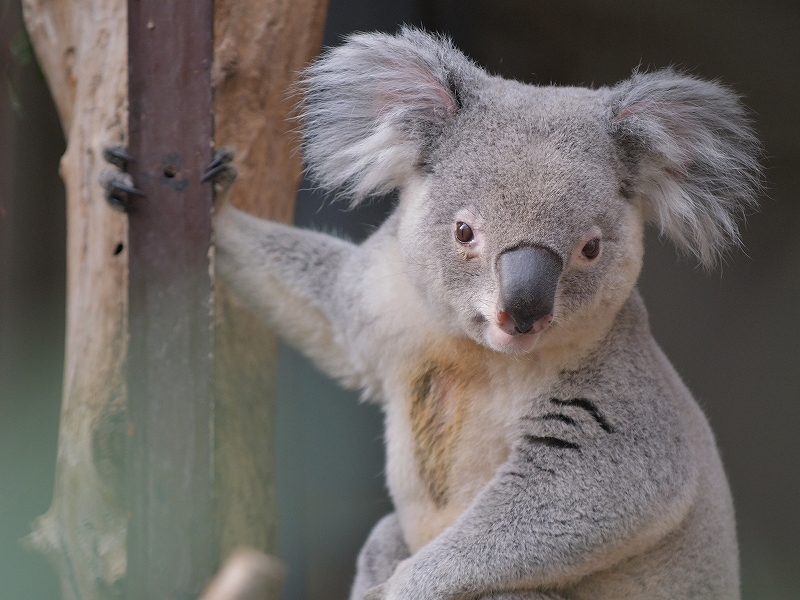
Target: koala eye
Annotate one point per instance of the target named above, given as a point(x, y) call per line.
point(464, 232)
point(591, 249)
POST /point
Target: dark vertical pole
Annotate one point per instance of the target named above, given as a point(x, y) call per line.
point(170, 534)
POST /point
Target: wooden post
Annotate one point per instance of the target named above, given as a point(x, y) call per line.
point(170, 404)
point(259, 45)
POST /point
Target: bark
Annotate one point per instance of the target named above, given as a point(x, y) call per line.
point(82, 49)
point(81, 46)
point(259, 47)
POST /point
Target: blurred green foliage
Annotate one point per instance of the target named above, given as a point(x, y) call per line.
point(20, 53)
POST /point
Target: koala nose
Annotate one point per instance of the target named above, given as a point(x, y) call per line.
point(528, 280)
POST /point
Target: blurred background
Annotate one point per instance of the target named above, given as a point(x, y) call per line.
point(734, 335)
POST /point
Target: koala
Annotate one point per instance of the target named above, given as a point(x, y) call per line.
point(539, 443)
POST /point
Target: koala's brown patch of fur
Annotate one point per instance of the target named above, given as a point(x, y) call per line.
point(435, 421)
point(438, 405)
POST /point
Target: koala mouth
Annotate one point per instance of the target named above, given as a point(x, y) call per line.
point(502, 335)
point(509, 325)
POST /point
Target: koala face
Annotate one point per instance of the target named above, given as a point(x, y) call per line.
point(522, 207)
point(543, 175)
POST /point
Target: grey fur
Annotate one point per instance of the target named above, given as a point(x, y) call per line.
point(368, 136)
point(570, 463)
point(698, 157)
point(382, 552)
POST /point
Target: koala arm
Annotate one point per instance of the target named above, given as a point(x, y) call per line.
point(383, 551)
point(588, 484)
point(293, 278)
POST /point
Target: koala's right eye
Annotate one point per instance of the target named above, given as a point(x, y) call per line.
point(464, 233)
point(591, 249)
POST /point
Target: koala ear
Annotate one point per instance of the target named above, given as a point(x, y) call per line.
point(693, 157)
point(375, 107)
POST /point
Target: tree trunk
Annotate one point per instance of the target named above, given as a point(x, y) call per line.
point(259, 47)
point(82, 48)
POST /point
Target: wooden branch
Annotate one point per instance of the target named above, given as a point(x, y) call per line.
point(252, 105)
point(82, 47)
point(252, 98)
point(247, 575)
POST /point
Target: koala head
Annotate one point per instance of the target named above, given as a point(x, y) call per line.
point(522, 208)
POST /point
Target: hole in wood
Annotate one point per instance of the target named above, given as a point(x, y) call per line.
point(170, 171)
point(119, 248)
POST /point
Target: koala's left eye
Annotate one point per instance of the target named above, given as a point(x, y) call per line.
point(464, 233)
point(591, 249)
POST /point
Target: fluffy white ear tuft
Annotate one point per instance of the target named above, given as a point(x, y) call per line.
point(693, 157)
point(375, 106)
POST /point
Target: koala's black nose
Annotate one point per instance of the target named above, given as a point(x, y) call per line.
point(528, 280)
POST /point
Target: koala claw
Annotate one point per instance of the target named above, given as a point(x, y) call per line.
point(117, 156)
point(116, 183)
point(220, 170)
point(118, 187)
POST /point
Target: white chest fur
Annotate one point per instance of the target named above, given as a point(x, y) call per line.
point(451, 422)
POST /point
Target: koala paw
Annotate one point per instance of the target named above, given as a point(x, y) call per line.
point(116, 183)
point(221, 172)
point(521, 596)
point(402, 585)
point(376, 593)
